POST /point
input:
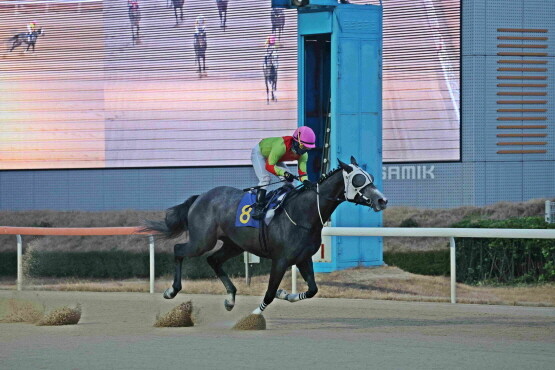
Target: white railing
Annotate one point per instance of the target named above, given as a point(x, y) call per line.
point(450, 233)
point(67, 231)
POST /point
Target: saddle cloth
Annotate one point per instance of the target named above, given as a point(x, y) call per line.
point(273, 201)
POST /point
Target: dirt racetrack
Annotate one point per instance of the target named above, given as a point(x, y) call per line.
point(116, 332)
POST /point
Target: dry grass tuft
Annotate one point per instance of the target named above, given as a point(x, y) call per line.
point(251, 322)
point(62, 316)
point(21, 311)
point(180, 316)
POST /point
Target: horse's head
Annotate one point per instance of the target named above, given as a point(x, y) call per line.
point(360, 188)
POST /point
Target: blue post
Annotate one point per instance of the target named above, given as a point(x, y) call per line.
point(340, 98)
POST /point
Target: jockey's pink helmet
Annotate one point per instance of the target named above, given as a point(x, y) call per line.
point(305, 136)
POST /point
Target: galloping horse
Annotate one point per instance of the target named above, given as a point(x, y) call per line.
point(278, 21)
point(222, 11)
point(178, 4)
point(24, 37)
point(135, 19)
point(291, 238)
point(200, 45)
point(270, 68)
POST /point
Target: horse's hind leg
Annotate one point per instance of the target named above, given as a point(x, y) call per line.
point(180, 251)
point(229, 250)
point(176, 286)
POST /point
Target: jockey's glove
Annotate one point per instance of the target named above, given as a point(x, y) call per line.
point(308, 184)
point(289, 176)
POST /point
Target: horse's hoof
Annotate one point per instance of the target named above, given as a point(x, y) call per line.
point(282, 294)
point(170, 293)
point(229, 306)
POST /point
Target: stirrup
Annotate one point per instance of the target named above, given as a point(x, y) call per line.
point(258, 212)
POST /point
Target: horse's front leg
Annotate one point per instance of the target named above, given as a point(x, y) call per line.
point(307, 271)
point(267, 90)
point(276, 275)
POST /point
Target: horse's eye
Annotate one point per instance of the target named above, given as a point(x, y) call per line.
point(358, 180)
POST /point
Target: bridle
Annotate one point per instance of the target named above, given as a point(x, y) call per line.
point(355, 181)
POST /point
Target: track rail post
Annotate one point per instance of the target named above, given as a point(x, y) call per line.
point(19, 263)
point(151, 254)
point(453, 270)
point(294, 279)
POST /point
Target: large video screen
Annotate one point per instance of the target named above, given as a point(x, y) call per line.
point(151, 83)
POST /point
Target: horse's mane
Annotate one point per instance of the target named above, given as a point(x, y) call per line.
point(326, 175)
point(321, 179)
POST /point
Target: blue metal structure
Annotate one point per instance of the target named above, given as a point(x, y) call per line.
point(340, 95)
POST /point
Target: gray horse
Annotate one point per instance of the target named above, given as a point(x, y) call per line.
point(178, 4)
point(26, 38)
point(135, 19)
point(222, 11)
point(291, 238)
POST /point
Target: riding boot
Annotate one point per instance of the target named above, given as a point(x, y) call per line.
point(258, 211)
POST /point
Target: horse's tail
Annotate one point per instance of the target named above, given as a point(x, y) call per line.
point(175, 223)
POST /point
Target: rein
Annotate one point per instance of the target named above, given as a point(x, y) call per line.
point(318, 206)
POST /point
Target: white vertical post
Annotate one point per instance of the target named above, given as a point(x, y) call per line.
point(294, 279)
point(453, 271)
point(151, 252)
point(246, 259)
point(19, 262)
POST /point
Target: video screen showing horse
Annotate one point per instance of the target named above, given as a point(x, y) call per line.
point(136, 83)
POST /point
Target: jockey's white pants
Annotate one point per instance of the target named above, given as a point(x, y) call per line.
point(259, 164)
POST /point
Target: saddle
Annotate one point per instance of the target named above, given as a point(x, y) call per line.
point(274, 199)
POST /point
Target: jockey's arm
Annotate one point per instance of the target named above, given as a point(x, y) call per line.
point(277, 151)
point(302, 167)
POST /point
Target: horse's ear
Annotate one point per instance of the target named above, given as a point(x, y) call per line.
point(345, 166)
point(354, 161)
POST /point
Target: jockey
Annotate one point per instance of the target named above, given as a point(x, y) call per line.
point(268, 156)
point(133, 4)
point(31, 27)
point(270, 42)
point(199, 25)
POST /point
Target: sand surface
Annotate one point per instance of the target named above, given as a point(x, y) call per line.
point(116, 331)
